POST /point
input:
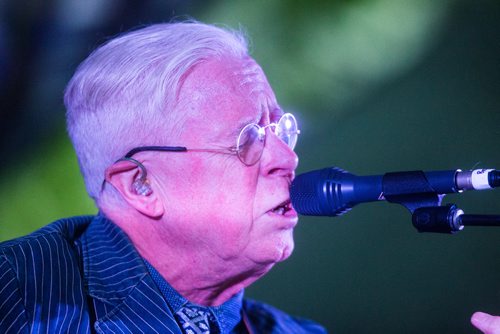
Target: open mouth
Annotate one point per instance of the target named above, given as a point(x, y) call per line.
point(283, 208)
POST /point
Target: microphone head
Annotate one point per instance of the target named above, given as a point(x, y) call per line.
point(319, 193)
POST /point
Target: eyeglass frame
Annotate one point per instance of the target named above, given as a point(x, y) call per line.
point(229, 150)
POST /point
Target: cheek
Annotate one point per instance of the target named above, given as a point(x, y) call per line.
point(231, 185)
point(220, 187)
point(215, 190)
point(228, 204)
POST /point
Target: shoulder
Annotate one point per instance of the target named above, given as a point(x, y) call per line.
point(63, 231)
point(269, 319)
point(39, 277)
point(44, 249)
point(67, 228)
point(54, 242)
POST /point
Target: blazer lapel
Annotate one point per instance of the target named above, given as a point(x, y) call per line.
point(124, 296)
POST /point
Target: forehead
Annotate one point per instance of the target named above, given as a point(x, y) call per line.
point(223, 93)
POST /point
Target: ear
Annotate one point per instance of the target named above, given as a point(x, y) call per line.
point(122, 176)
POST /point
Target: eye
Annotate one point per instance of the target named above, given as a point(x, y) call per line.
point(248, 136)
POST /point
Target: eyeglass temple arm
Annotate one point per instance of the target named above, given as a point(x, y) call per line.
point(156, 148)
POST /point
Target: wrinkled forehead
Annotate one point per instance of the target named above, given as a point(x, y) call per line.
point(227, 90)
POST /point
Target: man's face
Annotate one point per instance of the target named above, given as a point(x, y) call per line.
point(216, 208)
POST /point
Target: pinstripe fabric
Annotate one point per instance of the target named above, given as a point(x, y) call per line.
point(45, 290)
point(82, 275)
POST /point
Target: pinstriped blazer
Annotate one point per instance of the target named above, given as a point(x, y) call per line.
point(83, 275)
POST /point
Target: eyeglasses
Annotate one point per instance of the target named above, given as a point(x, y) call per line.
point(249, 145)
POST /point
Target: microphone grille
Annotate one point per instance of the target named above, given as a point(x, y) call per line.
point(318, 193)
point(303, 195)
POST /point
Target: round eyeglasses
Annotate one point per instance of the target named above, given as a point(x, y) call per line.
point(249, 144)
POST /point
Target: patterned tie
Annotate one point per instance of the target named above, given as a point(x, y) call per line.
point(195, 320)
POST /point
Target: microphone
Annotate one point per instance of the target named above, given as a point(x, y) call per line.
point(332, 191)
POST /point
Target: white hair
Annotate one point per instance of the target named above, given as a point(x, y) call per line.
point(122, 95)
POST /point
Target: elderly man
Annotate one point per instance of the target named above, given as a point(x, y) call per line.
point(189, 159)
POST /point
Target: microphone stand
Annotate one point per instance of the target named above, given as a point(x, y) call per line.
point(480, 220)
point(413, 191)
point(449, 219)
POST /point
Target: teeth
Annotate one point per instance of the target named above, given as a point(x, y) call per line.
point(280, 210)
point(283, 208)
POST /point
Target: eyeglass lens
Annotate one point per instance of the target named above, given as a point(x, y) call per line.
point(251, 140)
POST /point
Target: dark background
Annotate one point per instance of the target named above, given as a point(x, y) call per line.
point(377, 86)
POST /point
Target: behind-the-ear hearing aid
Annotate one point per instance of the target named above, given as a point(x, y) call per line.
point(141, 185)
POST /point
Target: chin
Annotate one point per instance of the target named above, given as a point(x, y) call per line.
point(286, 245)
point(276, 252)
point(286, 252)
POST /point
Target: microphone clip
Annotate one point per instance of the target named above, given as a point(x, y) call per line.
point(410, 189)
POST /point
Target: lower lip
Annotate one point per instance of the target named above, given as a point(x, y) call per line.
point(290, 217)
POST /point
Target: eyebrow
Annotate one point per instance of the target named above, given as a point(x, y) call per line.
point(274, 112)
point(256, 119)
point(245, 122)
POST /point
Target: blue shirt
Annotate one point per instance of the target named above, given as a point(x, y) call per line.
point(227, 315)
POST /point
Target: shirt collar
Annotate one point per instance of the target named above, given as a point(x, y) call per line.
point(227, 315)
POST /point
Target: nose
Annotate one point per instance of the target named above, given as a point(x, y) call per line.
point(277, 157)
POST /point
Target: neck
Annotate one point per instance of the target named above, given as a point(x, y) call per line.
point(201, 279)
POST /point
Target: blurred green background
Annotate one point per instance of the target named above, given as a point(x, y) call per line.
point(377, 85)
